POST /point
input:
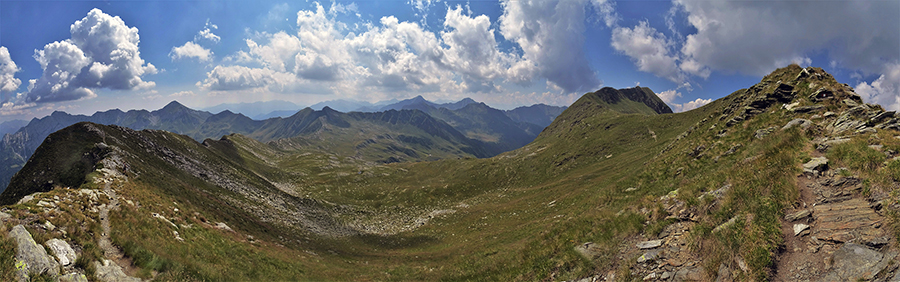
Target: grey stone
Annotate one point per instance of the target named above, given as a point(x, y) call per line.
point(797, 215)
point(666, 275)
point(727, 224)
point(690, 273)
point(648, 256)
point(63, 252)
point(588, 250)
point(73, 277)
point(649, 244)
point(801, 122)
point(716, 194)
point(815, 165)
point(31, 254)
point(807, 109)
point(109, 271)
point(724, 274)
point(853, 262)
point(762, 133)
point(866, 130)
point(4, 216)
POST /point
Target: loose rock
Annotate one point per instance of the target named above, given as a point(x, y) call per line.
point(649, 244)
point(63, 252)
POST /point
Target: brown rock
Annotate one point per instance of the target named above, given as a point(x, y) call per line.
point(845, 221)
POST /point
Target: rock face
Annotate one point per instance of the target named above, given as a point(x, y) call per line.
point(33, 256)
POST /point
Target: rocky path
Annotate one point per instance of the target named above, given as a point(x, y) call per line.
point(836, 232)
point(111, 269)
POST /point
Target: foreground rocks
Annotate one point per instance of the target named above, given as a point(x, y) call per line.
point(31, 259)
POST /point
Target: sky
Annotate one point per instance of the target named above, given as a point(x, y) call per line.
point(86, 56)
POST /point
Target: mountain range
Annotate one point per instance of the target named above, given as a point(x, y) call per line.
point(17, 147)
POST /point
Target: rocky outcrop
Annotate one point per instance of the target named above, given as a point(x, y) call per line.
point(853, 262)
point(31, 259)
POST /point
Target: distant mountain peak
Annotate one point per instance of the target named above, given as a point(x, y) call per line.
point(173, 105)
point(615, 97)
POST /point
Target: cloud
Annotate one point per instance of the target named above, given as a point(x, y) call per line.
point(669, 97)
point(649, 49)
point(102, 53)
point(690, 105)
point(337, 8)
point(885, 90)
point(207, 34)
point(240, 77)
point(551, 36)
point(8, 69)
point(756, 37)
point(182, 94)
point(395, 56)
point(607, 11)
point(473, 50)
point(191, 50)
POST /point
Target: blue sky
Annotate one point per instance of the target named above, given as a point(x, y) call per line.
point(82, 56)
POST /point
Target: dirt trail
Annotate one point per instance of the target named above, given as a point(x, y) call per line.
point(110, 251)
point(831, 212)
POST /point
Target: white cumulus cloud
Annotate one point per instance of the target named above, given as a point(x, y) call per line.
point(241, 77)
point(669, 97)
point(8, 69)
point(207, 34)
point(885, 90)
point(551, 36)
point(191, 50)
point(102, 53)
point(649, 49)
point(756, 37)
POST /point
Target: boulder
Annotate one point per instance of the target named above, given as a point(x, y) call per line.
point(63, 252)
point(588, 250)
point(33, 256)
point(109, 271)
point(73, 277)
point(816, 165)
point(854, 262)
point(802, 123)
